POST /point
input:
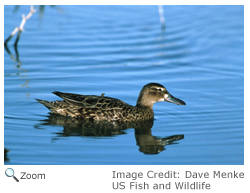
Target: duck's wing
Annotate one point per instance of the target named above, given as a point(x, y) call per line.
point(78, 100)
point(91, 101)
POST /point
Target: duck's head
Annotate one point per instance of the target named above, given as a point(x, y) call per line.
point(152, 93)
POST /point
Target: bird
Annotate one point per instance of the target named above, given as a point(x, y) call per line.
point(103, 108)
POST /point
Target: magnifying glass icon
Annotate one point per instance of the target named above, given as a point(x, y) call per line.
point(10, 173)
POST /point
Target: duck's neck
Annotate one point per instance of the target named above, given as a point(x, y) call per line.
point(142, 102)
point(139, 105)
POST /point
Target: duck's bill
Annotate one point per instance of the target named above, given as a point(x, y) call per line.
point(172, 99)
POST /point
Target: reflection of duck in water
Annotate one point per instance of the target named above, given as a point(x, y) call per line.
point(111, 109)
point(148, 144)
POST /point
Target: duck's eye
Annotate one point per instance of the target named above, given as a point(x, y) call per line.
point(159, 89)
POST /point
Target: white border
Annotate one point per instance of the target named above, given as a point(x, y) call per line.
point(94, 178)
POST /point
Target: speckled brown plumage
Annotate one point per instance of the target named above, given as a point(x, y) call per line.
point(111, 109)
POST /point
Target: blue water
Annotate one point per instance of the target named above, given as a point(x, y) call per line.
point(198, 57)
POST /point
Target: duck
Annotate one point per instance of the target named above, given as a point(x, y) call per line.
point(103, 108)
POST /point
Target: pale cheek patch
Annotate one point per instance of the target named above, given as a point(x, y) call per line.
point(165, 96)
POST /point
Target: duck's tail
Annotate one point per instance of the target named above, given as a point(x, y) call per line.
point(48, 104)
point(60, 107)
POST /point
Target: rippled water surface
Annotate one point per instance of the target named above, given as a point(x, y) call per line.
point(198, 57)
